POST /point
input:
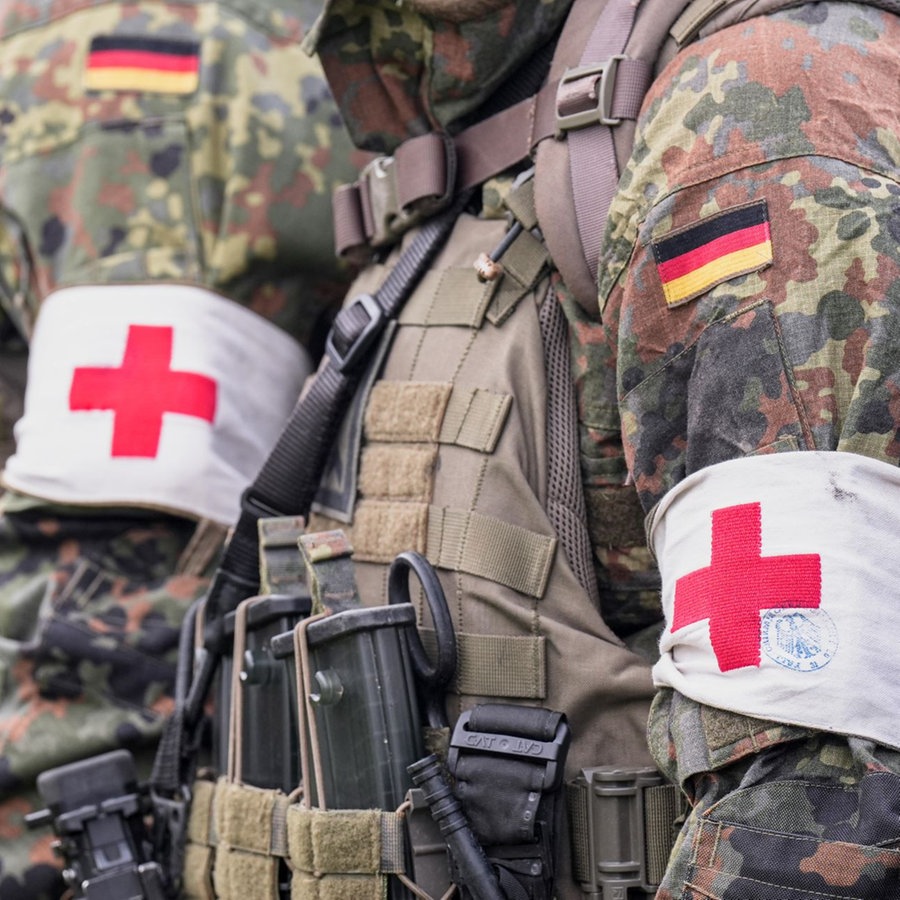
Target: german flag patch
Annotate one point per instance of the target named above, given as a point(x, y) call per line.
point(723, 246)
point(147, 64)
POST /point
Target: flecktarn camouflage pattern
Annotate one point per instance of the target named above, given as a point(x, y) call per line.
point(402, 69)
point(204, 153)
point(227, 186)
point(749, 293)
point(89, 621)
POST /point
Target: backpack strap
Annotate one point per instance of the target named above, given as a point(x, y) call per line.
point(394, 193)
point(604, 47)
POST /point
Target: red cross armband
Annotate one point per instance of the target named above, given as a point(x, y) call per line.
point(779, 583)
point(164, 396)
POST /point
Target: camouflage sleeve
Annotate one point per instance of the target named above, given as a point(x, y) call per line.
point(225, 180)
point(749, 289)
point(106, 177)
point(778, 200)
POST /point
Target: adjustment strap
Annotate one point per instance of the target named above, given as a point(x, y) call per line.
point(603, 73)
point(394, 193)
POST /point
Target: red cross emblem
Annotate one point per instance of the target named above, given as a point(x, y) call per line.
point(141, 390)
point(739, 583)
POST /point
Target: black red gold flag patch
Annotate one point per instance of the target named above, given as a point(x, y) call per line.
point(720, 247)
point(139, 63)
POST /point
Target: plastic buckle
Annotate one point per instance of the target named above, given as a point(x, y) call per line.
point(381, 208)
point(351, 356)
point(512, 745)
point(387, 212)
point(603, 77)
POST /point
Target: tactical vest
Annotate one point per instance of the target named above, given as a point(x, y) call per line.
point(461, 443)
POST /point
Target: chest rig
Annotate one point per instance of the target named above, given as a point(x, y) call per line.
point(468, 455)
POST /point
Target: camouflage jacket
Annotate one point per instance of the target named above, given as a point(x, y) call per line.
point(791, 347)
point(748, 288)
point(225, 184)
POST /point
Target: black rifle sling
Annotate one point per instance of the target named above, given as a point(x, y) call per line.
point(285, 485)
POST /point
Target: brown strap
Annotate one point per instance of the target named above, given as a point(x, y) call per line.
point(427, 169)
point(592, 153)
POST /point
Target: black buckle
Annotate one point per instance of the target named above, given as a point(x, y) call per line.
point(603, 76)
point(524, 747)
point(350, 357)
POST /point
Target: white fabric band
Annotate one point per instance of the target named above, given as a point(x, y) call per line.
point(781, 590)
point(164, 396)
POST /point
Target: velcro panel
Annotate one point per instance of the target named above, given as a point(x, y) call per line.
point(616, 516)
point(425, 412)
point(475, 419)
point(497, 665)
point(252, 835)
point(382, 529)
point(199, 851)
point(305, 886)
point(397, 471)
point(452, 297)
point(343, 854)
point(251, 819)
point(403, 411)
point(490, 548)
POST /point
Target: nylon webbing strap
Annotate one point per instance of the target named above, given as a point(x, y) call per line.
point(507, 762)
point(452, 297)
point(592, 153)
point(482, 545)
point(496, 665)
point(481, 151)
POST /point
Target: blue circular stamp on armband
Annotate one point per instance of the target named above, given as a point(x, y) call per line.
point(800, 639)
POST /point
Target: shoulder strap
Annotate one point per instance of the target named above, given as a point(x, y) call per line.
point(613, 47)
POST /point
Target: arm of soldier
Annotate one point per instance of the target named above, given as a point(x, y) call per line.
point(137, 202)
point(782, 343)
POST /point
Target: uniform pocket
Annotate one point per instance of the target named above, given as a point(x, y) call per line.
point(796, 840)
point(726, 395)
point(114, 204)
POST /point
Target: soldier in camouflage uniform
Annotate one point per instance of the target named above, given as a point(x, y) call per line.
point(749, 288)
point(187, 146)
